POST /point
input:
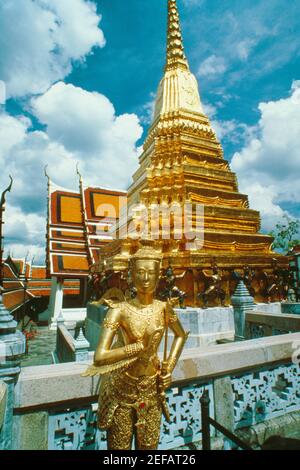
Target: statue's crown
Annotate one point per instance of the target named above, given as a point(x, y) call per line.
point(147, 251)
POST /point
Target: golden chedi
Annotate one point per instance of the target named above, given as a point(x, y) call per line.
point(182, 165)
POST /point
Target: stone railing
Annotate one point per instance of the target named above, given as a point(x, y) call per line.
point(291, 307)
point(3, 400)
point(249, 382)
point(259, 324)
point(69, 349)
point(65, 348)
point(206, 326)
point(93, 322)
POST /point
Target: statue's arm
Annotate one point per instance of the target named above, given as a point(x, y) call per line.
point(180, 337)
point(104, 355)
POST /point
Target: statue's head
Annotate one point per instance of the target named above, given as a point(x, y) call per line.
point(169, 272)
point(145, 269)
point(215, 269)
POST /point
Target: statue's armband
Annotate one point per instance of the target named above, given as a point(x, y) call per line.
point(171, 314)
point(111, 325)
point(112, 320)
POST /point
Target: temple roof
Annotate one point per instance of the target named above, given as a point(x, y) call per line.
point(24, 282)
point(78, 225)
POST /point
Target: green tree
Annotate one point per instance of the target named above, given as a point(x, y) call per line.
point(286, 234)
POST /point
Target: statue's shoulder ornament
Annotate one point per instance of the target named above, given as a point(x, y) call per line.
point(113, 298)
point(113, 317)
point(112, 303)
point(160, 304)
point(171, 314)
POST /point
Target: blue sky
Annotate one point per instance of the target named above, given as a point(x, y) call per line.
point(81, 78)
point(129, 68)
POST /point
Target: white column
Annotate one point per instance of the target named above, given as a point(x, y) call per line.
point(56, 301)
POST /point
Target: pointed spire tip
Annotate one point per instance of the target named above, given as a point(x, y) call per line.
point(175, 49)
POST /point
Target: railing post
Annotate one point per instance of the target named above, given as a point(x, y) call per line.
point(81, 347)
point(3, 400)
point(205, 401)
point(242, 303)
point(12, 348)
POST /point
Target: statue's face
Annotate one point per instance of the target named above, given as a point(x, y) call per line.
point(145, 275)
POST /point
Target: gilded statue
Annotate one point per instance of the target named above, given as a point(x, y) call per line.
point(171, 291)
point(249, 275)
point(214, 290)
point(287, 281)
point(98, 283)
point(273, 283)
point(132, 393)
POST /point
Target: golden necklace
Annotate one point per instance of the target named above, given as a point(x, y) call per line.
point(141, 317)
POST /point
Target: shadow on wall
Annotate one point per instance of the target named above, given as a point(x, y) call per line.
point(281, 443)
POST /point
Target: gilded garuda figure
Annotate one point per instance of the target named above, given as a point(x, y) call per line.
point(97, 282)
point(132, 393)
point(249, 275)
point(214, 289)
point(272, 288)
point(171, 291)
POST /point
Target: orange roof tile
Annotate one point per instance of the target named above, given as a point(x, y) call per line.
point(38, 272)
point(72, 228)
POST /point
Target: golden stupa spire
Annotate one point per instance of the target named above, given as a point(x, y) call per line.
point(183, 186)
point(178, 89)
point(175, 49)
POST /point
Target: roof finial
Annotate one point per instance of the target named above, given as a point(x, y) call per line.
point(175, 50)
point(8, 189)
point(78, 173)
point(47, 176)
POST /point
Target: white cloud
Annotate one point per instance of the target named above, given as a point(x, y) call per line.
point(210, 110)
point(268, 167)
point(12, 132)
point(80, 127)
point(212, 66)
point(41, 39)
point(74, 117)
point(227, 130)
point(86, 125)
point(262, 35)
point(224, 128)
point(26, 153)
point(147, 110)
point(232, 131)
point(2, 92)
point(25, 230)
point(244, 48)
